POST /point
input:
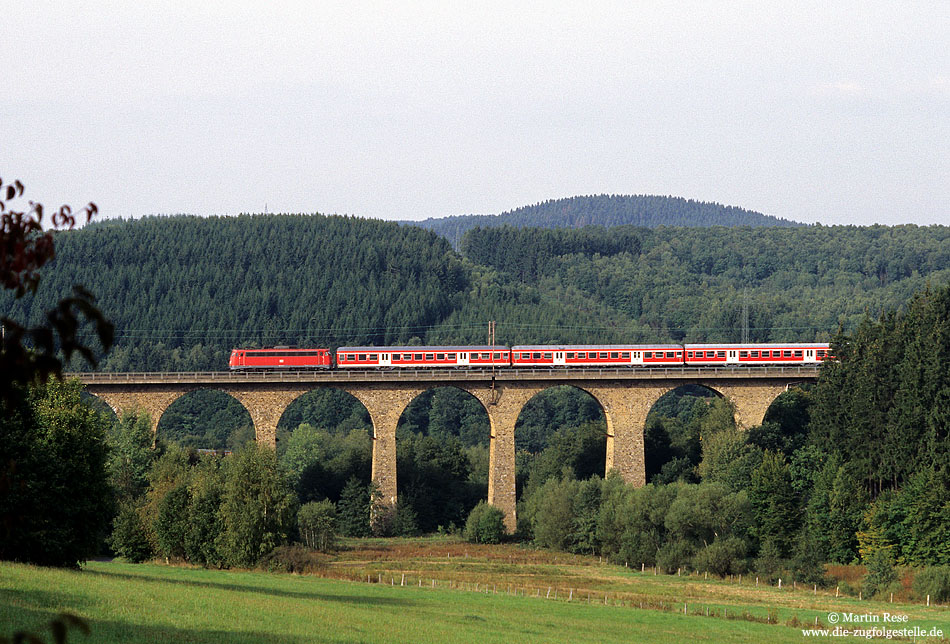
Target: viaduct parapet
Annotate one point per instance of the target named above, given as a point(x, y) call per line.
point(625, 396)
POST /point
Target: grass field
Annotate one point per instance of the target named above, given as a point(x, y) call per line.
point(150, 603)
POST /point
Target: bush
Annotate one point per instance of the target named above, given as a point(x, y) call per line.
point(485, 524)
point(721, 557)
point(673, 555)
point(933, 581)
point(316, 523)
point(769, 563)
point(294, 559)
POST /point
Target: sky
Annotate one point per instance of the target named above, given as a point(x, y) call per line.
point(831, 112)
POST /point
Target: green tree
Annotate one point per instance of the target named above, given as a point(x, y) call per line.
point(774, 504)
point(316, 524)
point(56, 503)
point(485, 524)
point(130, 455)
point(258, 506)
point(353, 510)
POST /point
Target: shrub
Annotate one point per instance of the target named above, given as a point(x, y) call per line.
point(485, 524)
point(769, 563)
point(673, 555)
point(933, 581)
point(316, 523)
point(722, 556)
point(294, 559)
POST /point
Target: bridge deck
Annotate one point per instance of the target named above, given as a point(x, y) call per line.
point(446, 375)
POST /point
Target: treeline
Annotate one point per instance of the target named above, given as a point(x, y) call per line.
point(694, 284)
point(646, 211)
point(183, 291)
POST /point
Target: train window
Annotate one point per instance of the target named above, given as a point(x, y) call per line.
point(689, 354)
point(648, 355)
point(636, 354)
point(496, 356)
point(743, 354)
point(451, 356)
point(720, 354)
point(361, 357)
point(486, 356)
point(536, 356)
point(570, 355)
point(374, 356)
point(670, 354)
point(787, 354)
point(821, 353)
point(614, 355)
point(625, 355)
point(547, 355)
point(504, 355)
point(417, 356)
point(440, 356)
point(798, 353)
point(430, 356)
point(754, 354)
point(603, 355)
point(582, 355)
point(407, 356)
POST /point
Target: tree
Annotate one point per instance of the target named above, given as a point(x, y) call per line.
point(773, 503)
point(130, 455)
point(32, 354)
point(316, 523)
point(353, 510)
point(485, 524)
point(257, 508)
point(57, 502)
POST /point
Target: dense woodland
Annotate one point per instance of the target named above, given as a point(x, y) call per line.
point(645, 211)
point(855, 468)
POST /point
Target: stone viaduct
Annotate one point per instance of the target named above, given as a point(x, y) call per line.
point(625, 396)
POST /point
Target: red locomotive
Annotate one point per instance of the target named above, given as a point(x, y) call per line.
point(281, 358)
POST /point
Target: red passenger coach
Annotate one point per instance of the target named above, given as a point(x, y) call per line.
point(597, 355)
point(281, 358)
point(421, 357)
point(753, 354)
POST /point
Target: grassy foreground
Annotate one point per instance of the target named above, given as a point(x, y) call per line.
point(149, 603)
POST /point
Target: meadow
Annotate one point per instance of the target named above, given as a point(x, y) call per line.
point(435, 590)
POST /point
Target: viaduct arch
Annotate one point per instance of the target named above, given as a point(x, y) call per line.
point(625, 396)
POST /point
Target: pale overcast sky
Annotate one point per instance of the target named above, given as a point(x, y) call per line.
point(837, 112)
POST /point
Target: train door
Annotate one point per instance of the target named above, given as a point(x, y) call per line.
point(463, 359)
point(810, 355)
point(732, 357)
point(559, 358)
point(385, 359)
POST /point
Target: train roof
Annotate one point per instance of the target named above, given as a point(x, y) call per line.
point(594, 347)
point(485, 347)
point(771, 345)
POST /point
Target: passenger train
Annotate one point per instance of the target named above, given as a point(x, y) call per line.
point(531, 356)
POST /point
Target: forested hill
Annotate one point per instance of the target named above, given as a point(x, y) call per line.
point(183, 291)
point(646, 211)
